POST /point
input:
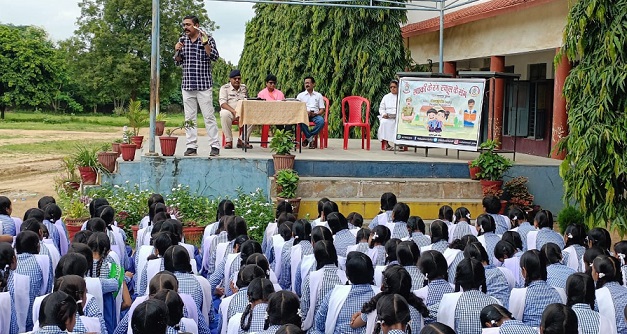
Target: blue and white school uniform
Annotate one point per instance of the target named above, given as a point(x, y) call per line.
point(538, 238)
point(489, 240)
point(266, 244)
point(573, 256)
point(199, 288)
point(21, 292)
point(460, 229)
point(7, 225)
point(440, 246)
point(380, 219)
point(499, 282)
point(211, 259)
point(522, 229)
point(109, 289)
point(230, 306)
point(47, 248)
point(511, 327)
point(611, 301)
point(315, 288)
point(297, 253)
point(432, 295)
point(257, 321)
point(377, 255)
point(527, 304)
point(398, 230)
point(417, 278)
point(420, 239)
point(223, 250)
point(284, 273)
point(271, 330)
point(7, 311)
point(53, 234)
point(591, 322)
point(416, 321)
point(337, 308)
point(503, 224)
point(361, 247)
point(305, 267)
point(557, 274)
point(513, 264)
point(342, 240)
point(460, 310)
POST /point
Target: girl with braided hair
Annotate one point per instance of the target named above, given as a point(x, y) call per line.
point(460, 310)
point(154, 262)
point(396, 280)
point(8, 263)
point(282, 309)
point(379, 236)
point(52, 213)
point(388, 201)
point(110, 276)
point(611, 295)
point(253, 318)
point(307, 263)
point(407, 255)
point(575, 246)
point(527, 304)
point(499, 280)
point(301, 233)
point(557, 273)
point(57, 314)
point(76, 288)
point(462, 225)
point(581, 297)
point(107, 213)
point(176, 321)
point(432, 264)
point(393, 315)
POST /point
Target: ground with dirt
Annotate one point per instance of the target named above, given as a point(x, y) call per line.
point(24, 178)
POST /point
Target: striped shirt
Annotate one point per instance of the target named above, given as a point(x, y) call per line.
point(539, 295)
point(588, 320)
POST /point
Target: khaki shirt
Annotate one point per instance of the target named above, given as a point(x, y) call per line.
point(230, 95)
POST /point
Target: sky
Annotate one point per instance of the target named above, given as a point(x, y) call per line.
point(58, 17)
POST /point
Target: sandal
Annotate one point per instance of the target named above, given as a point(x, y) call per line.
point(228, 146)
point(389, 148)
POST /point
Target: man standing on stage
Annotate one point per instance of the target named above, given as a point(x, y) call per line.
point(196, 51)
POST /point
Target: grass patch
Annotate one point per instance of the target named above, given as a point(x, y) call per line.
point(61, 147)
point(90, 123)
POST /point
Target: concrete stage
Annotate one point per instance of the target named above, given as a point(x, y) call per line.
point(354, 178)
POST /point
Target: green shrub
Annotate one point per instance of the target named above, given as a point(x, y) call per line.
point(569, 215)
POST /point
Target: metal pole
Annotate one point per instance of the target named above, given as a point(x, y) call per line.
point(441, 59)
point(154, 75)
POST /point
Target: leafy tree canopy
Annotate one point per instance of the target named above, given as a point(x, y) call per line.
point(348, 52)
point(594, 171)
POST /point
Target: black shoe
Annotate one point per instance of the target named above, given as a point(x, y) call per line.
point(305, 143)
point(190, 152)
point(214, 152)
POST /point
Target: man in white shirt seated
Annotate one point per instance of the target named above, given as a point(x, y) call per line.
point(315, 108)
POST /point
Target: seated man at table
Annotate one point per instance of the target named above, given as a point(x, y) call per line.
point(230, 93)
point(315, 108)
point(271, 93)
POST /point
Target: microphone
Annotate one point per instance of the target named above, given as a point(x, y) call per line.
point(177, 54)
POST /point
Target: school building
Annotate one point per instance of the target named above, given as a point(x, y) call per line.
point(514, 36)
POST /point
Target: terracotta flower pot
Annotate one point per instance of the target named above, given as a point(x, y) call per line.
point(193, 234)
point(107, 159)
point(137, 140)
point(74, 225)
point(168, 145)
point(487, 184)
point(88, 175)
point(159, 128)
point(115, 147)
point(128, 152)
point(473, 171)
point(295, 202)
point(283, 162)
point(135, 228)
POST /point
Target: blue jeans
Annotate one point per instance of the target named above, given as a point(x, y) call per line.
point(319, 123)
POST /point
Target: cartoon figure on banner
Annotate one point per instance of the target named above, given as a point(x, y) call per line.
point(407, 113)
point(470, 114)
point(433, 125)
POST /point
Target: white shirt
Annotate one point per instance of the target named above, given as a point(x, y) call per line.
point(314, 101)
point(388, 104)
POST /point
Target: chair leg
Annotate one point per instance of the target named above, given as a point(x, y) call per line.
point(362, 137)
point(383, 142)
point(368, 139)
point(346, 132)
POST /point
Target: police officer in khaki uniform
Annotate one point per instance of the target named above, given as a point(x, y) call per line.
point(230, 93)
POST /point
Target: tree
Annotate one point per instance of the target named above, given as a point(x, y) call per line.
point(594, 170)
point(31, 71)
point(114, 38)
point(348, 51)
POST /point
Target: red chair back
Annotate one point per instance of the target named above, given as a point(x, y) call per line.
point(326, 110)
point(355, 115)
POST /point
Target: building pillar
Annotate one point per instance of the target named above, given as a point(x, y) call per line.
point(450, 67)
point(495, 121)
point(560, 115)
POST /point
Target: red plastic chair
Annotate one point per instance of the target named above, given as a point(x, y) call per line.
point(323, 135)
point(356, 119)
point(234, 141)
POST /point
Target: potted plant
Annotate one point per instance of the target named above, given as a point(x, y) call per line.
point(168, 142)
point(86, 160)
point(75, 211)
point(137, 118)
point(160, 124)
point(107, 158)
point(493, 165)
point(282, 145)
point(70, 181)
point(128, 148)
point(517, 193)
point(286, 184)
point(473, 168)
point(115, 146)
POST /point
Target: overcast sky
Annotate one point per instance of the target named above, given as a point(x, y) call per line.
point(58, 17)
